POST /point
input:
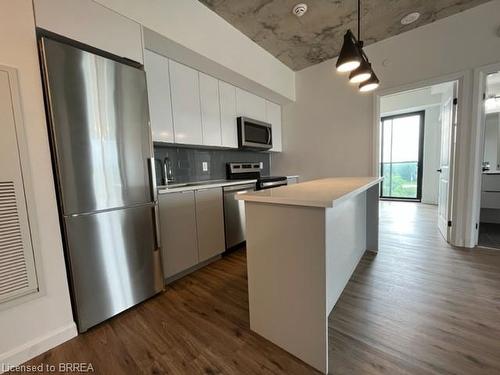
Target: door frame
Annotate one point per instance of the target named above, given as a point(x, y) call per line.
point(420, 162)
point(457, 193)
point(478, 122)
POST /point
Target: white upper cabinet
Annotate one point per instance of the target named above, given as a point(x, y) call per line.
point(210, 110)
point(227, 97)
point(160, 103)
point(250, 105)
point(186, 110)
point(274, 118)
point(92, 24)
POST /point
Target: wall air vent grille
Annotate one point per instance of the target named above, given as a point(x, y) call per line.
point(13, 270)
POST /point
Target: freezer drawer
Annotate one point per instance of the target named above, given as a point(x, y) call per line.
point(114, 262)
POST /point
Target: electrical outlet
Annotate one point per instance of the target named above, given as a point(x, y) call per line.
point(261, 165)
point(204, 166)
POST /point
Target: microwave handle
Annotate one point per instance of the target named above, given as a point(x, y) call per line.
point(269, 136)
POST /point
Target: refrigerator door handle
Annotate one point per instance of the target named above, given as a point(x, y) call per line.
point(152, 179)
point(156, 221)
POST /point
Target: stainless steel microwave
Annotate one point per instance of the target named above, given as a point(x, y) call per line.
point(254, 134)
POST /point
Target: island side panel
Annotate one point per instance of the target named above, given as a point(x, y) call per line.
point(372, 218)
point(345, 244)
point(286, 279)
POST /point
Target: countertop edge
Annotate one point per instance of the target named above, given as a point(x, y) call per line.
point(163, 190)
point(308, 203)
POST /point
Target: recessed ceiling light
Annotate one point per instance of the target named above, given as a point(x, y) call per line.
point(300, 9)
point(410, 18)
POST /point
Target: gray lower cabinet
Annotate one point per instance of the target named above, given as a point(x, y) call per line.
point(210, 223)
point(192, 228)
point(178, 232)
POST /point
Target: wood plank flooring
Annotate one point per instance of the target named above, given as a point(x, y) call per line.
point(418, 307)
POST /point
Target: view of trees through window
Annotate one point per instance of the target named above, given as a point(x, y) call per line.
point(400, 155)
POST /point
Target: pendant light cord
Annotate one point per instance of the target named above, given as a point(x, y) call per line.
point(359, 20)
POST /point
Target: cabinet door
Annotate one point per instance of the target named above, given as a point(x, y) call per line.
point(227, 95)
point(210, 110)
point(178, 232)
point(186, 109)
point(160, 104)
point(274, 118)
point(91, 23)
point(250, 105)
point(210, 223)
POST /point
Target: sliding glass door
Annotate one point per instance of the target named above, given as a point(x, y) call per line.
point(401, 155)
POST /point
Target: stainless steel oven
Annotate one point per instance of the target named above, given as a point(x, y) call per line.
point(254, 134)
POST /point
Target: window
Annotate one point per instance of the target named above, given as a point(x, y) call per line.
point(401, 156)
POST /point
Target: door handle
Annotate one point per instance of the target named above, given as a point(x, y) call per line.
point(439, 170)
point(152, 179)
point(156, 221)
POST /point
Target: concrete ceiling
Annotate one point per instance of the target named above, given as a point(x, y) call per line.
point(318, 35)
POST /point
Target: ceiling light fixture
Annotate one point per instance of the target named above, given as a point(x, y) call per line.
point(353, 59)
point(300, 9)
point(410, 18)
point(349, 58)
point(363, 72)
point(370, 84)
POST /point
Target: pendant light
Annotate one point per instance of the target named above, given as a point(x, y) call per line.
point(353, 59)
point(370, 84)
point(349, 58)
point(364, 71)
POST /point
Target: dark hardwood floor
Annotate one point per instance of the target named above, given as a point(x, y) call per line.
point(418, 307)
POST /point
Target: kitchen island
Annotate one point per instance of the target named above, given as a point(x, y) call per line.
point(303, 243)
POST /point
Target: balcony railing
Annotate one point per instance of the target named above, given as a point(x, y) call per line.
point(400, 179)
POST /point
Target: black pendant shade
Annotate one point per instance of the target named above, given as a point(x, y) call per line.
point(369, 85)
point(353, 59)
point(362, 73)
point(349, 58)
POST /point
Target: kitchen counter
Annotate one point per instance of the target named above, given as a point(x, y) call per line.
point(205, 185)
point(304, 241)
point(324, 193)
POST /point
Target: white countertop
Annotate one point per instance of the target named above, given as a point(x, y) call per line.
point(207, 185)
point(325, 193)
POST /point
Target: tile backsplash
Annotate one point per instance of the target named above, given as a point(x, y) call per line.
point(198, 164)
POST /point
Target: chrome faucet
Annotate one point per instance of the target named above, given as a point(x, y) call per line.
point(167, 171)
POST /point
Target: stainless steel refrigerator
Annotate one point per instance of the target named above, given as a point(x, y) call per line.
point(102, 154)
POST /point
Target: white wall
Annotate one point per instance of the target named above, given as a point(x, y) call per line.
point(193, 25)
point(35, 326)
point(329, 130)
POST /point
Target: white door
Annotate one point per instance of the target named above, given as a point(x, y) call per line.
point(227, 98)
point(160, 103)
point(186, 109)
point(17, 265)
point(250, 105)
point(210, 110)
point(274, 118)
point(448, 133)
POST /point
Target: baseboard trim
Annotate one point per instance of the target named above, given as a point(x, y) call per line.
point(37, 346)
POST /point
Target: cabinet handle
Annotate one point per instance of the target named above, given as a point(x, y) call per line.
point(152, 179)
point(156, 219)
